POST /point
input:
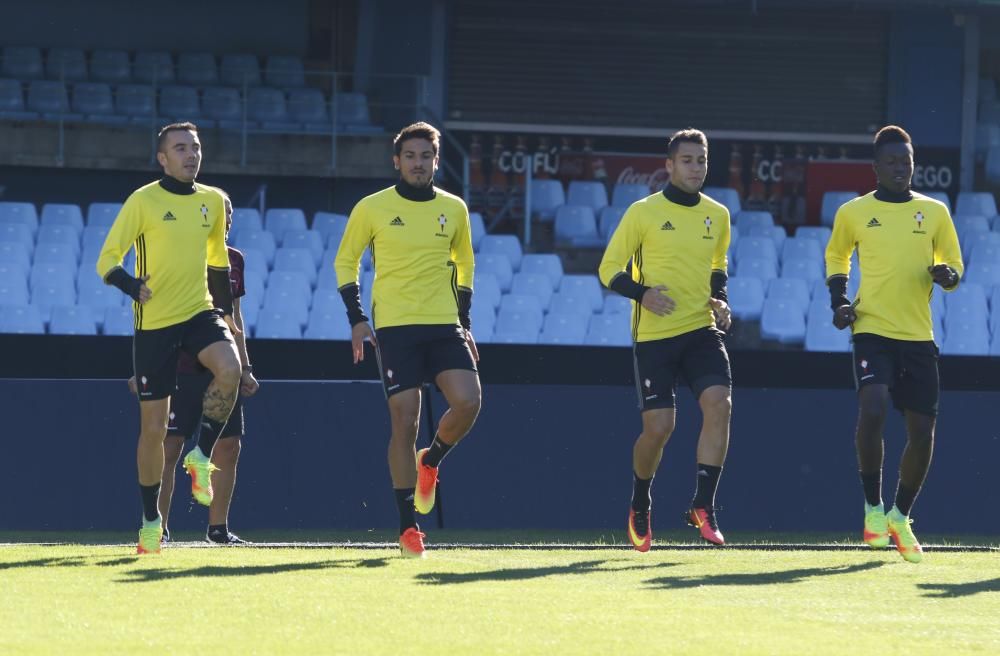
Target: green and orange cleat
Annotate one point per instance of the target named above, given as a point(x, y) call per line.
point(411, 543)
point(704, 520)
point(902, 535)
point(426, 490)
point(876, 526)
point(200, 468)
point(640, 532)
point(149, 537)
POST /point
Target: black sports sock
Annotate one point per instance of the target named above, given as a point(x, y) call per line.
point(436, 453)
point(221, 530)
point(404, 503)
point(873, 487)
point(641, 500)
point(208, 434)
point(150, 495)
point(708, 483)
point(905, 497)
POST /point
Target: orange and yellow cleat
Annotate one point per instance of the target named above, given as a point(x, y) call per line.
point(411, 543)
point(640, 532)
point(703, 519)
point(427, 477)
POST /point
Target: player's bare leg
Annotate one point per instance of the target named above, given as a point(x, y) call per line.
point(657, 427)
point(873, 404)
point(149, 459)
point(173, 445)
point(404, 417)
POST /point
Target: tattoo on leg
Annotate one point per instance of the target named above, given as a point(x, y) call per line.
point(218, 404)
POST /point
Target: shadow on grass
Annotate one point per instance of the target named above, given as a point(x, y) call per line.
point(522, 574)
point(145, 575)
point(71, 561)
point(760, 578)
point(953, 590)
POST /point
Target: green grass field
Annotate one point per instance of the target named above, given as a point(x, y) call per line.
point(589, 599)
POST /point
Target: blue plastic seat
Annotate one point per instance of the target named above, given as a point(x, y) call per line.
point(308, 106)
point(21, 319)
point(352, 110)
point(72, 320)
point(111, 66)
point(179, 103)
point(499, 265)
point(756, 248)
point(969, 224)
point(624, 194)
point(59, 214)
point(727, 196)
point(609, 330)
point(18, 233)
point(832, 200)
point(254, 263)
point(793, 290)
point(535, 284)
point(483, 319)
point(49, 98)
point(576, 226)
point(941, 196)
point(486, 290)
point(288, 302)
point(808, 270)
point(508, 245)
point(17, 212)
point(295, 282)
point(284, 71)
point(55, 252)
point(21, 62)
point(568, 303)
point(135, 101)
point(477, 229)
point(239, 70)
point(278, 220)
point(783, 321)
point(102, 214)
point(324, 324)
point(984, 272)
point(296, 259)
point(821, 335)
point(748, 219)
point(223, 104)
point(971, 338)
point(988, 242)
point(563, 329)
point(277, 324)
point(267, 105)
point(197, 69)
point(47, 294)
point(520, 336)
point(746, 297)
point(968, 294)
point(14, 253)
point(118, 321)
point(93, 99)
point(247, 219)
point(66, 64)
point(13, 291)
point(819, 233)
point(588, 193)
point(150, 67)
point(54, 233)
point(99, 296)
point(311, 240)
point(331, 227)
point(327, 300)
point(615, 304)
point(584, 286)
point(609, 219)
point(262, 242)
point(547, 264)
point(12, 101)
point(519, 311)
point(976, 203)
point(547, 196)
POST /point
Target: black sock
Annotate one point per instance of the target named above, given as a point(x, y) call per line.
point(708, 483)
point(218, 529)
point(150, 496)
point(208, 434)
point(873, 487)
point(641, 500)
point(904, 498)
point(436, 453)
point(404, 503)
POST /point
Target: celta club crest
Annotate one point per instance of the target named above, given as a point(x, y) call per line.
point(708, 225)
point(919, 217)
point(442, 221)
point(204, 214)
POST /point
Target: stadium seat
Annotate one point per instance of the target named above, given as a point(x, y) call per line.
point(276, 324)
point(328, 325)
point(294, 282)
point(819, 233)
point(94, 100)
point(775, 233)
point(615, 304)
point(939, 196)
point(118, 320)
point(563, 329)
point(268, 106)
point(725, 195)
point(180, 103)
point(296, 259)
point(832, 200)
point(49, 98)
point(808, 270)
point(239, 70)
point(508, 245)
point(821, 335)
point(583, 286)
point(976, 203)
point(262, 242)
point(51, 233)
point(486, 290)
point(46, 294)
point(15, 255)
point(327, 300)
point(278, 220)
point(197, 69)
point(967, 295)
point(288, 302)
point(547, 264)
point(13, 291)
point(625, 194)
point(568, 303)
point(311, 240)
point(526, 306)
point(547, 196)
point(984, 272)
point(18, 233)
point(21, 319)
point(327, 224)
point(57, 214)
point(756, 248)
point(746, 297)
point(793, 290)
point(748, 219)
point(499, 265)
point(284, 72)
point(111, 66)
point(23, 213)
point(587, 193)
point(609, 219)
point(609, 330)
point(992, 167)
point(576, 226)
point(308, 106)
point(352, 111)
point(966, 339)
point(798, 248)
point(534, 284)
point(102, 214)
point(970, 242)
point(99, 296)
point(12, 101)
point(224, 105)
point(73, 320)
point(477, 229)
point(968, 224)
point(483, 319)
point(135, 101)
point(514, 337)
point(150, 67)
point(66, 64)
point(247, 219)
point(57, 252)
point(21, 63)
point(783, 322)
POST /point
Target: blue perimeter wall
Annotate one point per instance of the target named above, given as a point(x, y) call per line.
point(540, 456)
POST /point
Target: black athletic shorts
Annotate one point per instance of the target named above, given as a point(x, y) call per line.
point(186, 405)
point(409, 356)
point(910, 369)
point(698, 357)
point(154, 352)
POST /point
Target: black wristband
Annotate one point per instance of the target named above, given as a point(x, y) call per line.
point(718, 283)
point(838, 291)
point(624, 285)
point(351, 295)
point(123, 281)
point(221, 290)
point(465, 307)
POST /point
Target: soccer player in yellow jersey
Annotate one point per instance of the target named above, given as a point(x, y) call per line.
point(906, 243)
point(421, 247)
point(182, 301)
point(676, 242)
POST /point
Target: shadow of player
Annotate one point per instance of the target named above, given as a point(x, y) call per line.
point(757, 578)
point(953, 590)
point(526, 573)
point(159, 574)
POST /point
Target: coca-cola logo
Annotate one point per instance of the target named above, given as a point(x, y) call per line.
point(656, 179)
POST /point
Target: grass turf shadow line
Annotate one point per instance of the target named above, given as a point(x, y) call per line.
point(523, 574)
point(67, 561)
point(159, 574)
point(757, 578)
point(955, 590)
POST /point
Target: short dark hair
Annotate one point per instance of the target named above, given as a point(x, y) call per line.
point(161, 136)
point(689, 135)
point(418, 130)
point(888, 135)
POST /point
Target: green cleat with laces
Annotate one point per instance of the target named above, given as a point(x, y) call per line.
point(902, 535)
point(876, 526)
